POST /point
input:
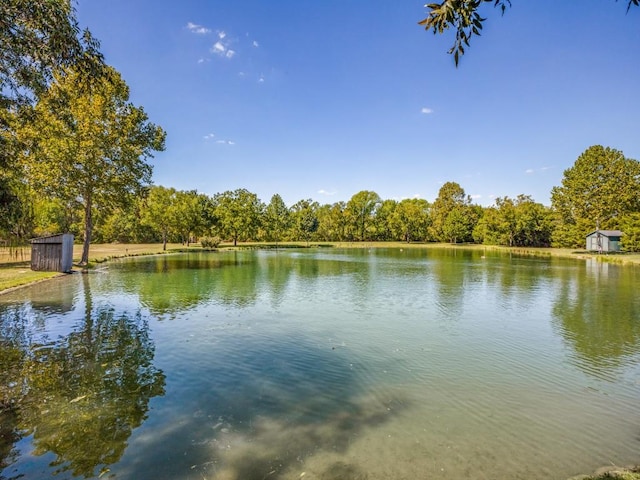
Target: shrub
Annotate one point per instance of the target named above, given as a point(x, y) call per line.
point(210, 242)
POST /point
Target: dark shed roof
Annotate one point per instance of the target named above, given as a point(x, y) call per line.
point(607, 233)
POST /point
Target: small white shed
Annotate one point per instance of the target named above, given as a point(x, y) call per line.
point(53, 253)
point(604, 241)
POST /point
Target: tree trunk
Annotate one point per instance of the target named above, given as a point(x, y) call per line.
point(164, 241)
point(88, 228)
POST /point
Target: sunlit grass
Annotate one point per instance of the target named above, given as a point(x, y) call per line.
point(18, 274)
point(616, 473)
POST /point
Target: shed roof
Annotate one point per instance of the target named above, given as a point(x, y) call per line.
point(49, 238)
point(607, 233)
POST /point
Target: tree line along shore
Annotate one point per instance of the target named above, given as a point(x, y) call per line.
point(599, 191)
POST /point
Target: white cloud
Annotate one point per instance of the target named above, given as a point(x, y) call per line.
point(475, 197)
point(209, 136)
point(255, 44)
point(225, 142)
point(261, 79)
point(221, 47)
point(529, 171)
point(218, 48)
point(322, 191)
point(426, 110)
point(197, 29)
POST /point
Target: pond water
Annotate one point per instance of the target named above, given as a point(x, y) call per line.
point(323, 364)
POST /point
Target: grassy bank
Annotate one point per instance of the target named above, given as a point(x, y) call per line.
point(15, 270)
point(609, 473)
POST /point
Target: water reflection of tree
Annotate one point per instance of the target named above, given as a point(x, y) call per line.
point(169, 285)
point(81, 396)
point(13, 337)
point(597, 313)
point(278, 272)
point(451, 274)
point(177, 283)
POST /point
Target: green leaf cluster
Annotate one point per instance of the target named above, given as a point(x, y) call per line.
point(463, 17)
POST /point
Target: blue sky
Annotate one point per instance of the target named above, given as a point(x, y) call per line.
point(323, 99)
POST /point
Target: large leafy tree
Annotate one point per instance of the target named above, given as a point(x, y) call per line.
point(238, 214)
point(460, 222)
point(630, 225)
point(410, 220)
point(463, 16)
point(598, 190)
point(360, 211)
point(88, 143)
point(158, 211)
point(451, 197)
point(332, 223)
point(382, 220)
point(304, 219)
point(277, 218)
point(189, 215)
point(517, 222)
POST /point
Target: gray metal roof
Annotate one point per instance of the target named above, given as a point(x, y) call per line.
point(607, 233)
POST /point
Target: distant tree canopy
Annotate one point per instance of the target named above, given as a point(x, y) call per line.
point(463, 16)
point(599, 189)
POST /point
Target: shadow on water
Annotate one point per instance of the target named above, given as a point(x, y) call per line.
point(264, 408)
point(76, 398)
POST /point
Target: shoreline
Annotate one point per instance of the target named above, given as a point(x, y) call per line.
point(105, 252)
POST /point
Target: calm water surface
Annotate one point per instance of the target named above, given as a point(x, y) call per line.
point(322, 364)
